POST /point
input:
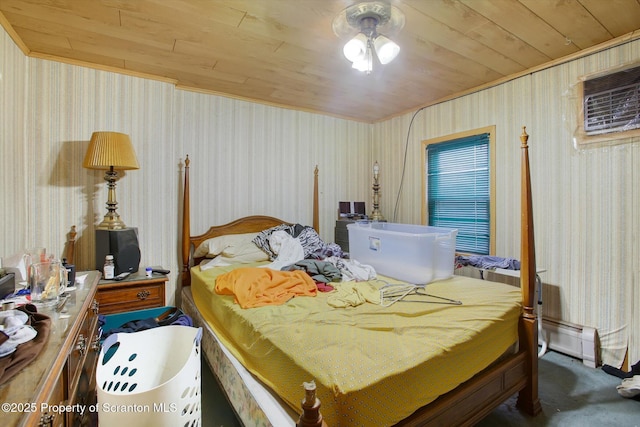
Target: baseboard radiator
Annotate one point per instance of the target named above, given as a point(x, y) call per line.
point(578, 341)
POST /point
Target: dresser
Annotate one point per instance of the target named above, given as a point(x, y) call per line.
point(342, 233)
point(58, 387)
point(136, 292)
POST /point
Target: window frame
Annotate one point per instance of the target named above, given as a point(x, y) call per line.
point(491, 130)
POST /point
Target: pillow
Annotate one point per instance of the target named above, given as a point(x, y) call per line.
point(245, 258)
point(232, 246)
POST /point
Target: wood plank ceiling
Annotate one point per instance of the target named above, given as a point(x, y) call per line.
point(284, 52)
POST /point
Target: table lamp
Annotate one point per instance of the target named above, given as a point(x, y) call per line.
point(110, 151)
point(376, 215)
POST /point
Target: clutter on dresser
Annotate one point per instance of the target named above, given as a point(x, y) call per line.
point(47, 282)
point(71, 272)
point(36, 277)
point(7, 283)
point(23, 333)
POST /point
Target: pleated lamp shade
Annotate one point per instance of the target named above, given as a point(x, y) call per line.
point(107, 149)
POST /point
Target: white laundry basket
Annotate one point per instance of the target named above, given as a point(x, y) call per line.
point(150, 378)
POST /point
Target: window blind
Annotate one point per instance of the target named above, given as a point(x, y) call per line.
point(458, 190)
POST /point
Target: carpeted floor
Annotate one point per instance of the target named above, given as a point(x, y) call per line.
point(571, 395)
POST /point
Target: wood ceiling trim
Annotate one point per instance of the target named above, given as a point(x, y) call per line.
point(14, 35)
point(228, 95)
point(118, 69)
point(34, 39)
point(206, 76)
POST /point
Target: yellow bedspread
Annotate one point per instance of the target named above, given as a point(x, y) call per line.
point(373, 365)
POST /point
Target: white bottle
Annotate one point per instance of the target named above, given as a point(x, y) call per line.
point(109, 268)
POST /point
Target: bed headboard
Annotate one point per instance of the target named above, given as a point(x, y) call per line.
point(250, 224)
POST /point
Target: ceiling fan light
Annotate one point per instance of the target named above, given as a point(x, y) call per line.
point(356, 48)
point(386, 49)
point(369, 19)
point(361, 65)
point(365, 64)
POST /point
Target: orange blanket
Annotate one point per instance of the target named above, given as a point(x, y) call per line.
point(257, 287)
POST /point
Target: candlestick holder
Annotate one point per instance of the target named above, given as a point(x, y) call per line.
point(375, 214)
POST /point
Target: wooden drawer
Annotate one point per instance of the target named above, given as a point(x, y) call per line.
point(82, 363)
point(128, 296)
point(42, 416)
point(78, 352)
point(85, 390)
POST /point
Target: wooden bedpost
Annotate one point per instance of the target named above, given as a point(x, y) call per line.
point(316, 216)
point(186, 227)
point(70, 245)
point(528, 397)
point(310, 416)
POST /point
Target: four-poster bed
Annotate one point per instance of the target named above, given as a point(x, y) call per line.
point(508, 372)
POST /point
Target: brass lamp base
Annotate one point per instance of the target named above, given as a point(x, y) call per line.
point(376, 216)
point(111, 220)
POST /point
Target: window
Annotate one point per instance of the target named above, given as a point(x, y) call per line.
point(459, 189)
point(610, 108)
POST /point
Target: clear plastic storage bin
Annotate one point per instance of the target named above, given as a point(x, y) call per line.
point(416, 254)
point(150, 378)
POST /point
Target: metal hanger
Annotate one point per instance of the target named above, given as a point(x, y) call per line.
point(397, 292)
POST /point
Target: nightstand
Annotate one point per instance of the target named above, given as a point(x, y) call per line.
point(136, 292)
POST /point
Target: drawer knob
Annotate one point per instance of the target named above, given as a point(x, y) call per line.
point(95, 345)
point(143, 295)
point(46, 420)
point(81, 346)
